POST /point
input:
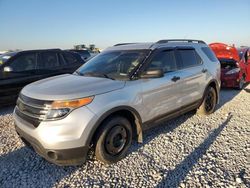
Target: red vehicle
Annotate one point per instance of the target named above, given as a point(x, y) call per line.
point(235, 66)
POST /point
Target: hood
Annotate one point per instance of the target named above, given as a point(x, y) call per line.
point(68, 86)
point(224, 51)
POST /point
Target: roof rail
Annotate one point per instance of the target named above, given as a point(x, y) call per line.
point(180, 40)
point(120, 44)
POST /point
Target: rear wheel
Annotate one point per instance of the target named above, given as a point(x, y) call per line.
point(209, 102)
point(113, 139)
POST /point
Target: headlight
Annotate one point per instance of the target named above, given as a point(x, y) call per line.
point(61, 108)
point(57, 113)
point(233, 71)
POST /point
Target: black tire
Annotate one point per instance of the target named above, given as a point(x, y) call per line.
point(113, 139)
point(209, 102)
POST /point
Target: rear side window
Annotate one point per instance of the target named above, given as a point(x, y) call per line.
point(209, 53)
point(24, 62)
point(164, 60)
point(49, 60)
point(189, 58)
point(70, 58)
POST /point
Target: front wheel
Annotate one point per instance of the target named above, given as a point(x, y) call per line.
point(113, 139)
point(209, 102)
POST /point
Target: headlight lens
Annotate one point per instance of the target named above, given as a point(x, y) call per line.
point(57, 113)
point(233, 71)
point(61, 108)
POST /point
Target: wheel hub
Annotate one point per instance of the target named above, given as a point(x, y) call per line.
point(116, 140)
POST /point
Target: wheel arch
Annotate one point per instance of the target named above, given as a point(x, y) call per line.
point(213, 83)
point(126, 111)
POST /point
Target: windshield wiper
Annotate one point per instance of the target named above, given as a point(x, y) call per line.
point(96, 74)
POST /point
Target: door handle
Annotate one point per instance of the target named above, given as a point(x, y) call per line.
point(175, 78)
point(204, 70)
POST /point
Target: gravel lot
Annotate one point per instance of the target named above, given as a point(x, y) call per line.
point(189, 151)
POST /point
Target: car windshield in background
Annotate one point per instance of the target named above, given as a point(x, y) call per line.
point(114, 64)
point(228, 63)
point(5, 57)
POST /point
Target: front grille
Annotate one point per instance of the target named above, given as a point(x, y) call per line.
point(32, 110)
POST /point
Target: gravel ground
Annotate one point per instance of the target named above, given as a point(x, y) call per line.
point(189, 151)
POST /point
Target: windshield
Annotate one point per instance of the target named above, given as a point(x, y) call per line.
point(228, 63)
point(113, 64)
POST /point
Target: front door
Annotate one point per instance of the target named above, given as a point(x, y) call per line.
point(160, 95)
point(21, 71)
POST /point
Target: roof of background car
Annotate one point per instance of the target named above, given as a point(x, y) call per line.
point(151, 45)
point(38, 50)
point(74, 50)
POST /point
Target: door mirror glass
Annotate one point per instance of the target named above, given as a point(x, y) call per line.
point(7, 69)
point(153, 73)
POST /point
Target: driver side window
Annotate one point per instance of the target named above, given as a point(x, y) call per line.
point(164, 60)
point(24, 62)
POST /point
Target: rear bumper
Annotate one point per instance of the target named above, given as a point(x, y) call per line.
point(62, 157)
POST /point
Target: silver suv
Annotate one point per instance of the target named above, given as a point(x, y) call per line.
point(114, 97)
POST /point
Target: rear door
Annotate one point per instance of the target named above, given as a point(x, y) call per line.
point(161, 95)
point(22, 72)
point(49, 64)
point(71, 61)
point(193, 76)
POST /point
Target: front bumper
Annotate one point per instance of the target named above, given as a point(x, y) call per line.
point(230, 81)
point(63, 157)
point(64, 141)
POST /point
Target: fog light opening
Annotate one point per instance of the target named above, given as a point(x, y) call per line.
point(52, 155)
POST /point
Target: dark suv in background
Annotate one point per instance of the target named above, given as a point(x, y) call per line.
point(18, 69)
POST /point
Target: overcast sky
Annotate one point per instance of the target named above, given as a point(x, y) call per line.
point(34, 24)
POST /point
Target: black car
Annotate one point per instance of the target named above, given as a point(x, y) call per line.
point(18, 69)
point(83, 53)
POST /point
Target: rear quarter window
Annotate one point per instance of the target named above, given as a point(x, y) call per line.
point(209, 53)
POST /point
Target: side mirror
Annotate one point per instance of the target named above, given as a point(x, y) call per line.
point(7, 69)
point(248, 57)
point(156, 73)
